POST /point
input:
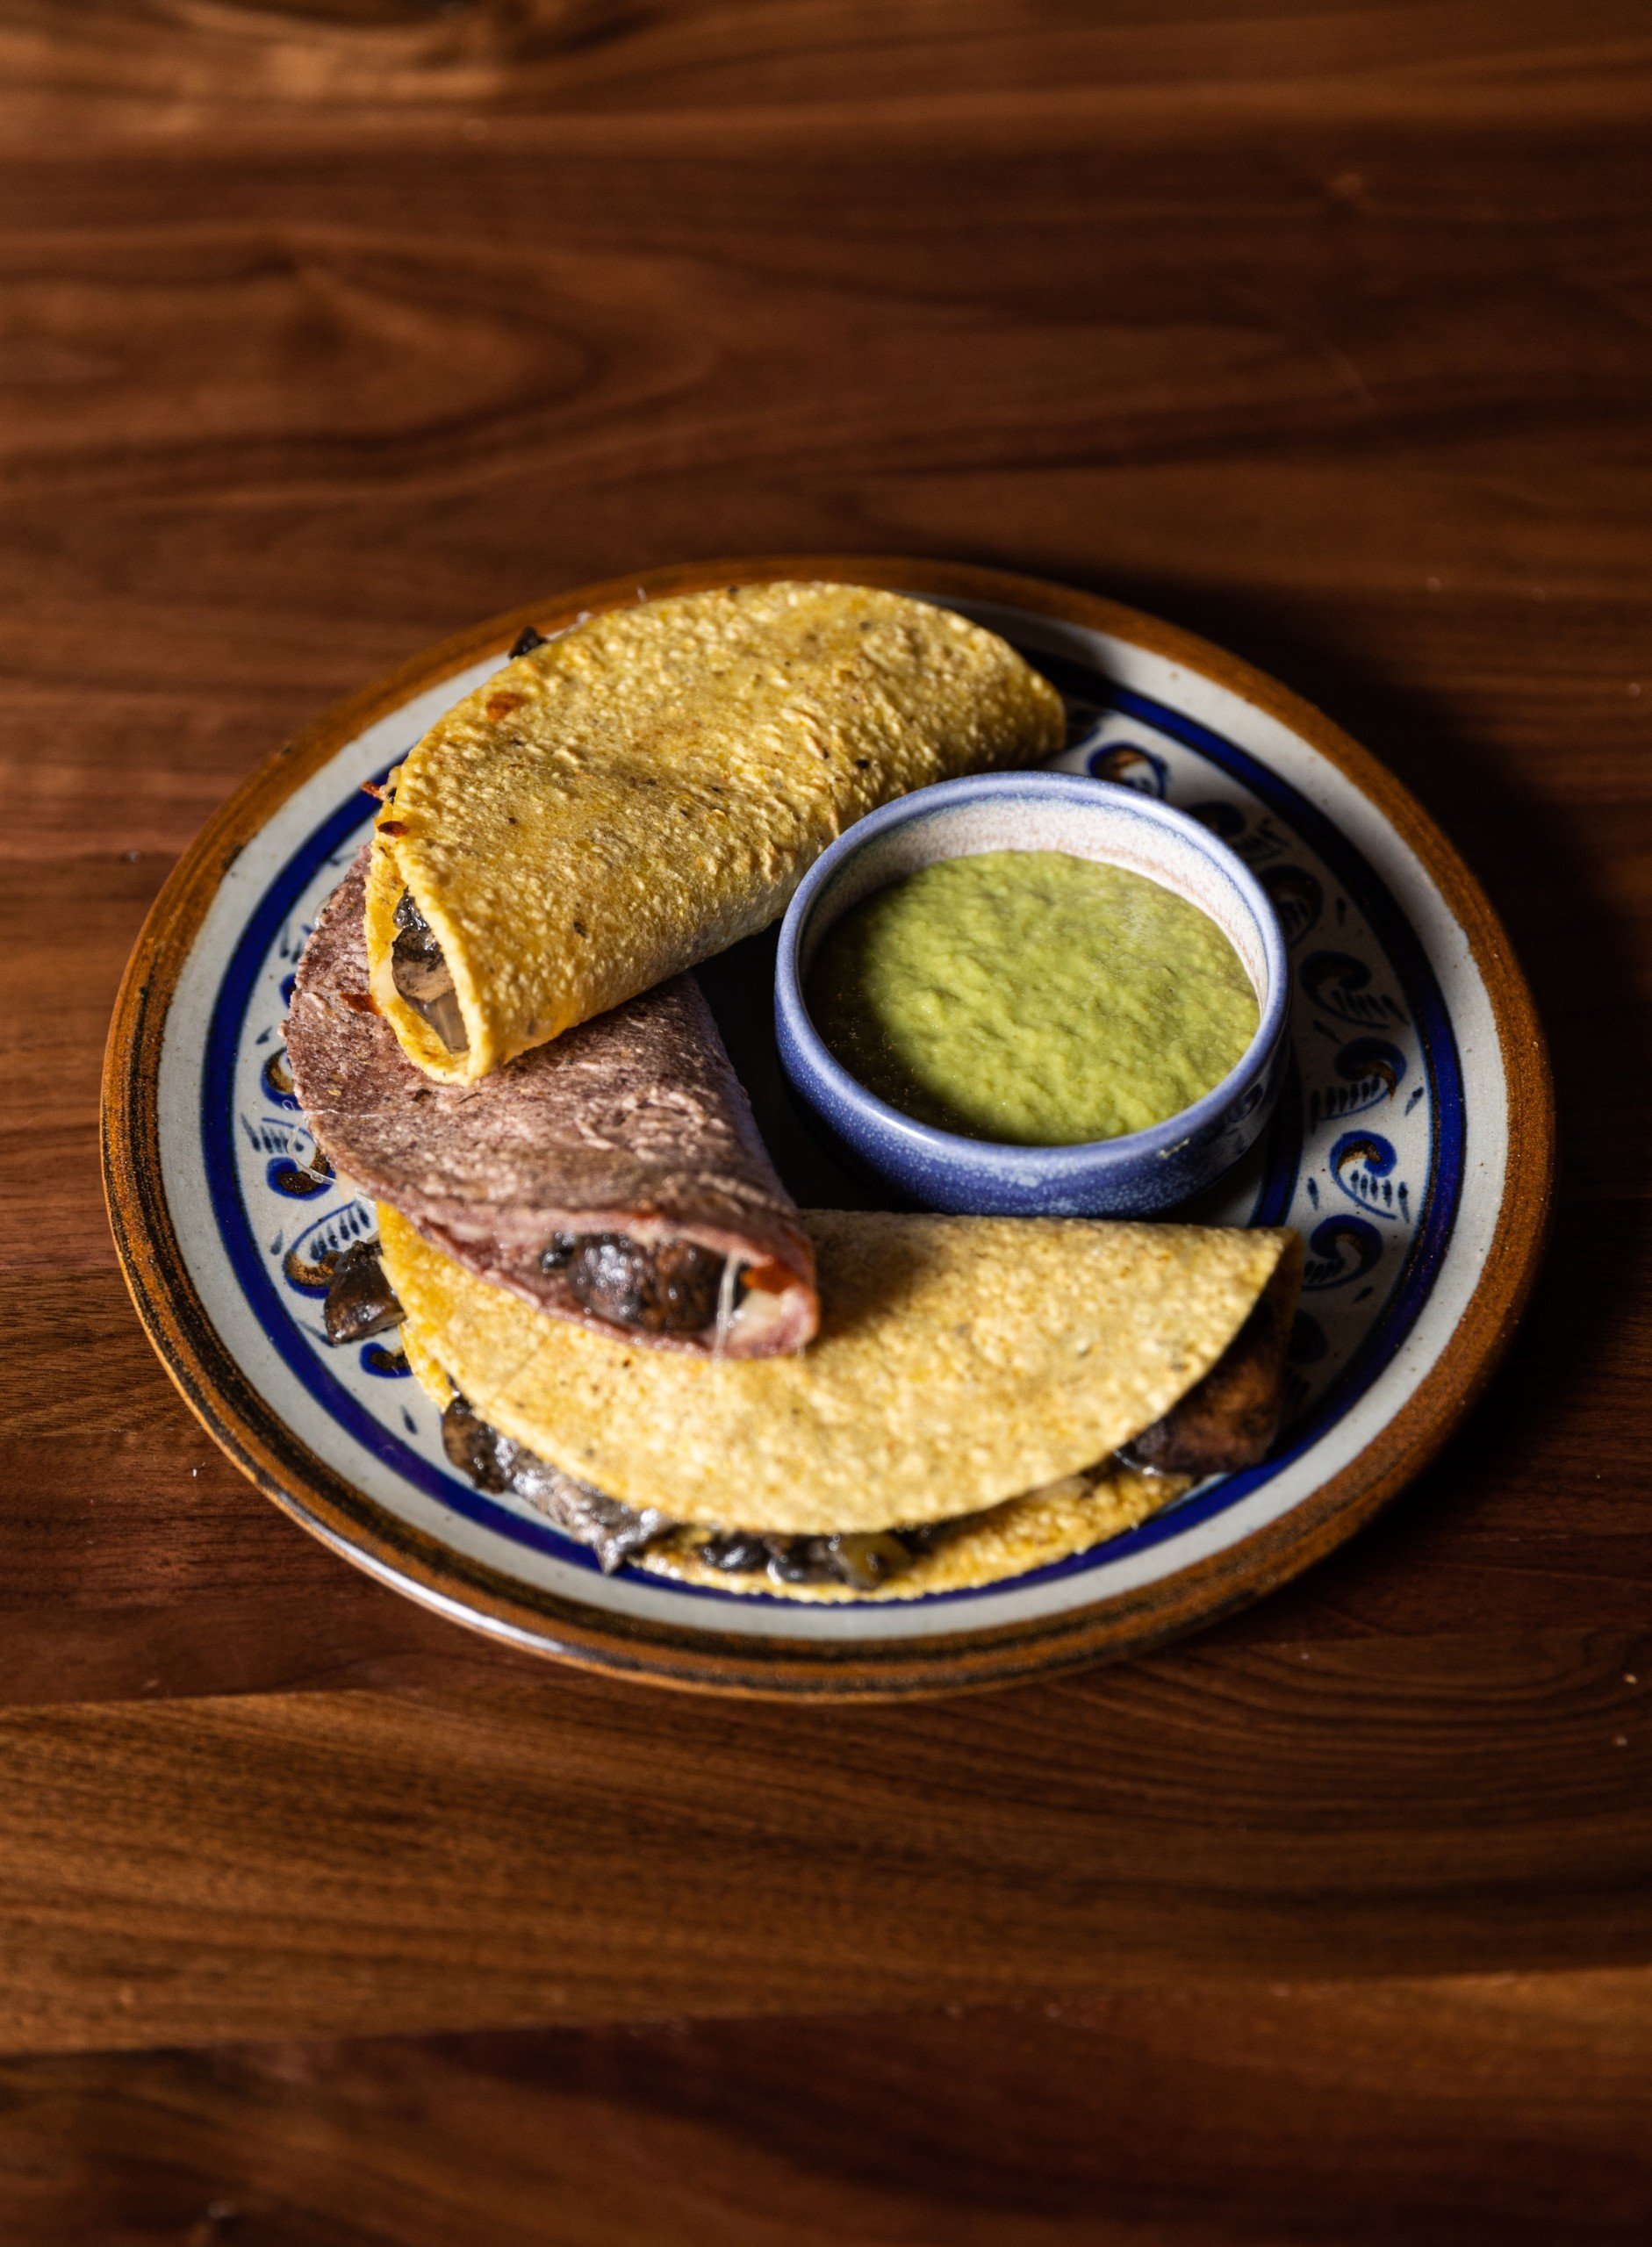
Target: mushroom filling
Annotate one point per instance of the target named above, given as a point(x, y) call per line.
point(614, 1531)
point(663, 1287)
point(360, 1300)
point(419, 971)
point(861, 1559)
point(1229, 1420)
point(1224, 1422)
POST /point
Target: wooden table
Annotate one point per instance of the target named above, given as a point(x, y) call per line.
point(326, 329)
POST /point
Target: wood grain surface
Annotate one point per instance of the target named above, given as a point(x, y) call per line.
point(326, 329)
point(1284, 2113)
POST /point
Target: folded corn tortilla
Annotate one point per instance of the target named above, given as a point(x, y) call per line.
point(632, 1129)
point(1031, 1532)
point(634, 796)
point(1034, 1531)
point(960, 1362)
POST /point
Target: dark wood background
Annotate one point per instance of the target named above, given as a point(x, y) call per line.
point(328, 328)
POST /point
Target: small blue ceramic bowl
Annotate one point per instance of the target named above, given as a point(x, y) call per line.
point(1132, 1175)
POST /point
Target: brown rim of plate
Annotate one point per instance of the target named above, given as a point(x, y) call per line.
point(695, 1658)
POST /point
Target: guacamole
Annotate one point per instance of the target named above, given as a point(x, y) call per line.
point(1032, 997)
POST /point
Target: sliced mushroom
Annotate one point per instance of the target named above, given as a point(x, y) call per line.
point(1229, 1420)
point(861, 1560)
point(663, 1287)
point(419, 971)
point(614, 1533)
point(741, 1552)
point(475, 1449)
point(360, 1300)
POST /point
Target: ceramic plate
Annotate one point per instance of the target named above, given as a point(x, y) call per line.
point(1416, 1051)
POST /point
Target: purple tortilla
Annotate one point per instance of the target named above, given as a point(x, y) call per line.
point(634, 1124)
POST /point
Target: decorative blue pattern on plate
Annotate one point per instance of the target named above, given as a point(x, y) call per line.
point(1375, 1199)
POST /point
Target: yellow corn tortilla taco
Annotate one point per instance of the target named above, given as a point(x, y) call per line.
point(962, 1554)
point(961, 1363)
point(972, 1550)
point(632, 797)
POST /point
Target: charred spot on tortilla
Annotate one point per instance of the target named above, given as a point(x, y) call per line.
point(614, 1533)
point(1229, 1420)
point(525, 642)
point(360, 1300)
point(419, 971)
point(664, 1287)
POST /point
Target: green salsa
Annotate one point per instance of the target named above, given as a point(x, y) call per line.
point(1032, 997)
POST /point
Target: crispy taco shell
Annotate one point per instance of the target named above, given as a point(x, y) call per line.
point(1031, 1532)
point(632, 797)
point(961, 1362)
point(1034, 1531)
